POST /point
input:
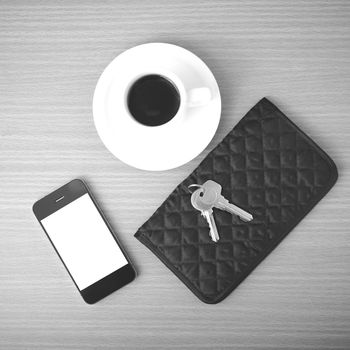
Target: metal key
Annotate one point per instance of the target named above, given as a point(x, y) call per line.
point(206, 211)
point(212, 196)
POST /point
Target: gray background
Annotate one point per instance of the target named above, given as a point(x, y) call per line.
point(297, 53)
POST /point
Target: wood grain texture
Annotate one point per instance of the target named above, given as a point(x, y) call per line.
point(297, 53)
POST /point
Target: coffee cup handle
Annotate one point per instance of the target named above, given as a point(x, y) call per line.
point(198, 97)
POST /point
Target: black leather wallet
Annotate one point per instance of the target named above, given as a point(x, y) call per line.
point(267, 166)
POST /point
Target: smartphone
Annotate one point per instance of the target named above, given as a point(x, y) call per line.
point(84, 241)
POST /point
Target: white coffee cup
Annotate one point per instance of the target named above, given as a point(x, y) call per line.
point(172, 143)
point(191, 96)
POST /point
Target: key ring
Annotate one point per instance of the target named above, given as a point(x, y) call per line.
point(194, 185)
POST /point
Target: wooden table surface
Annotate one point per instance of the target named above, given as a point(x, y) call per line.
point(297, 53)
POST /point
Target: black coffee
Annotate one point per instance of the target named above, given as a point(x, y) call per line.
point(153, 100)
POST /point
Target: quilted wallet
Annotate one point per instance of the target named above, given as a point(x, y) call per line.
point(267, 166)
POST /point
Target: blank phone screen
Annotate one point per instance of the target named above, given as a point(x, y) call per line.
point(84, 242)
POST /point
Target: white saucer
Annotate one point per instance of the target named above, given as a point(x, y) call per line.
point(163, 147)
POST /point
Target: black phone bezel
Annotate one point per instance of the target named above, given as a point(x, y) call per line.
point(59, 199)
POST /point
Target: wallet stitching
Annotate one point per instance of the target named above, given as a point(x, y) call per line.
point(252, 265)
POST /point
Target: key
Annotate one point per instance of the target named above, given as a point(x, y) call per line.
point(213, 231)
point(206, 211)
point(212, 196)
